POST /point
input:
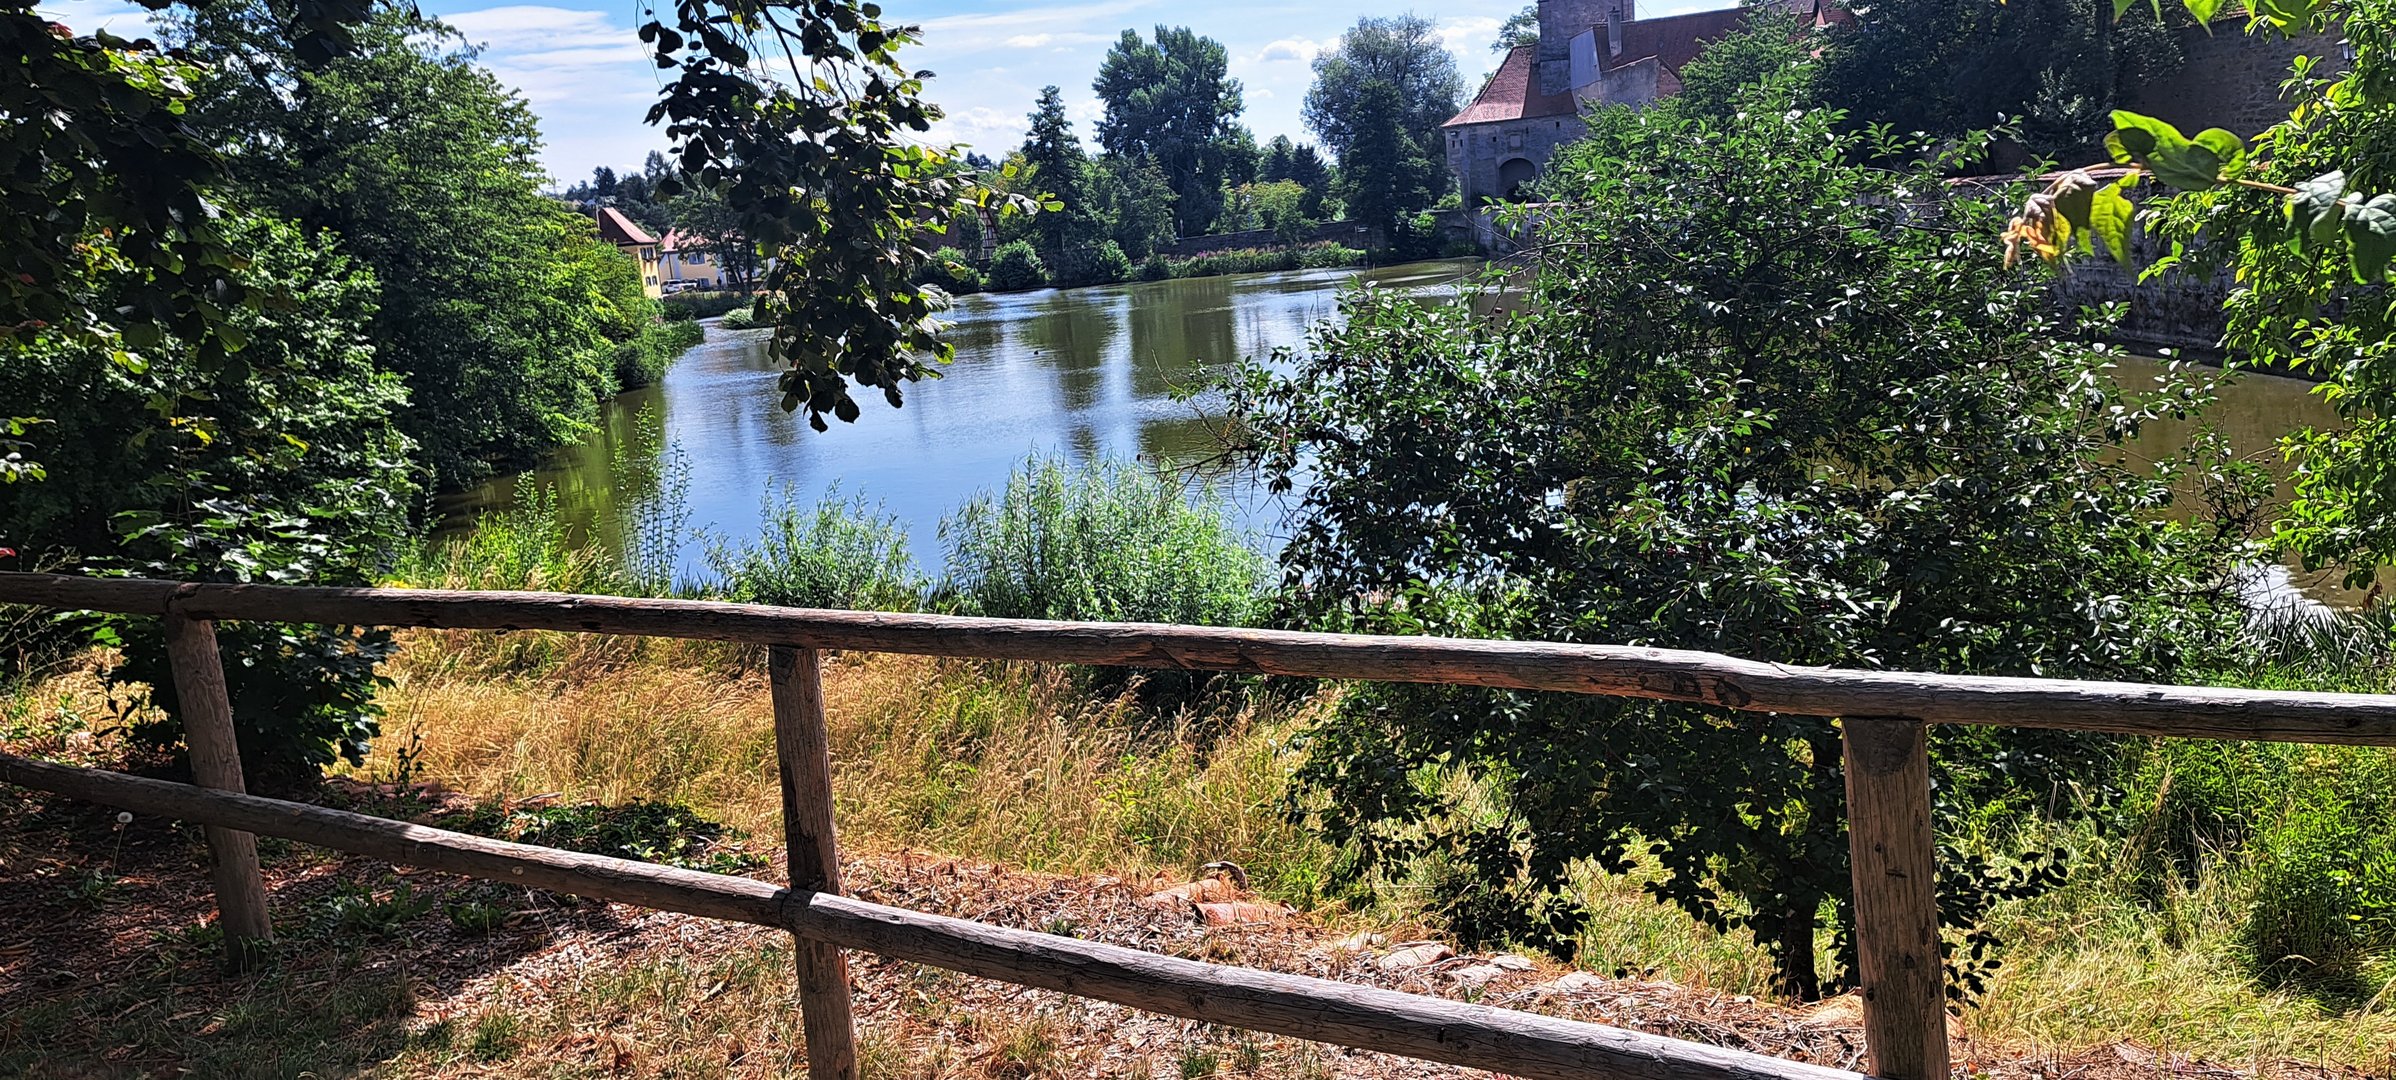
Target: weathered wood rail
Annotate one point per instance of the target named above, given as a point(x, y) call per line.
point(1884, 715)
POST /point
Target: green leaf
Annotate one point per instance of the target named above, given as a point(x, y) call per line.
point(2202, 9)
point(2224, 144)
point(2073, 194)
point(2290, 17)
point(2313, 211)
point(2371, 236)
point(2109, 216)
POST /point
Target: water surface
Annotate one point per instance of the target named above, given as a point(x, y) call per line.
point(1081, 373)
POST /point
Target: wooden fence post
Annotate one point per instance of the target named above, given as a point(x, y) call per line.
point(207, 710)
point(1894, 857)
point(805, 753)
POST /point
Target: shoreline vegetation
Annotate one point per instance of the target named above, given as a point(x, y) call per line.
point(2198, 867)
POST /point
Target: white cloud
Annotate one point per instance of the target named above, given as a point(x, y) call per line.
point(1299, 49)
point(559, 56)
point(1067, 24)
point(1471, 34)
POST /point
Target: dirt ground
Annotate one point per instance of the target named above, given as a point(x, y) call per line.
point(108, 968)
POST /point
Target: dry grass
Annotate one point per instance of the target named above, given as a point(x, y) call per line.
point(1006, 762)
point(1017, 765)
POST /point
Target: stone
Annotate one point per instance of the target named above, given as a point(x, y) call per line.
point(1513, 962)
point(1415, 956)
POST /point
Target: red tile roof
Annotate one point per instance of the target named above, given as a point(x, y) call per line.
point(1513, 94)
point(619, 230)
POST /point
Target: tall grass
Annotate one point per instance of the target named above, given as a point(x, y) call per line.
point(1109, 541)
point(835, 554)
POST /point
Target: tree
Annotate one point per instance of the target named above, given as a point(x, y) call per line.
point(1055, 157)
point(1285, 160)
point(1772, 55)
point(701, 215)
point(1403, 53)
point(1519, 29)
point(1946, 68)
point(1377, 102)
point(427, 171)
point(1384, 174)
point(289, 467)
point(1135, 201)
point(1172, 102)
point(1750, 397)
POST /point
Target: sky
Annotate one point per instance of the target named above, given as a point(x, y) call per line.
point(582, 69)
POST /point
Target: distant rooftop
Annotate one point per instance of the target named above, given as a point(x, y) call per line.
point(619, 230)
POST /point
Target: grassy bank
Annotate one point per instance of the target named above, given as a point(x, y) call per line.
point(2179, 926)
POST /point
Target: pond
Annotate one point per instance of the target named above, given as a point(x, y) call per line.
point(1081, 373)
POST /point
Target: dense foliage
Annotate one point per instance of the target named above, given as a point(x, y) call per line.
point(290, 468)
point(1750, 398)
point(501, 309)
point(2057, 68)
point(1377, 102)
point(1171, 101)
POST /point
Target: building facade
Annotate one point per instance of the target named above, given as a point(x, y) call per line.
point(1589, 52)
point(631, 239)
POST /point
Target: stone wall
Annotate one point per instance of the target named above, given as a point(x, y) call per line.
point(1477, 151)
point(1560, 21)
point(2231, 80)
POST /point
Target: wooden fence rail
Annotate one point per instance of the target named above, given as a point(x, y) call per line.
point(1884, 715)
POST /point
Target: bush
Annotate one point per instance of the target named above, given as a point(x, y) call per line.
point(837, 554)
point(1155, 268)
point(286, 467)
point(701, 305)
point(746, 318)
point(1316, 256)
point(1102, 264)
point(949, 270)
point(1016, 266)
point(1109, 541)
point(644, 359)
point(1923, 471)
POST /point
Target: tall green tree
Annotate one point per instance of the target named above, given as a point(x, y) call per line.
point(1751, 397)
point(1056, 160)
point(1286, 160)
point(1384, 173)
point(1377, 102)
point(1172, 101)
point(426, 170)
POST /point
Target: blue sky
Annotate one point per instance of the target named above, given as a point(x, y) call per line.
point(580, 66)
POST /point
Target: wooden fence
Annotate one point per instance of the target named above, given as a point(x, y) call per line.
point(1883, 725)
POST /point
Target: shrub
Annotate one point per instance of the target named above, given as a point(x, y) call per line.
point(949, 270)
point(1155, 268)
point(1921, 472)
point(745, 319)
point(1017, 266)
point(644, 359)
point(1103, 264)
point(835, 554)
point(286, 467)
point(1109, 541)
point(701, 305)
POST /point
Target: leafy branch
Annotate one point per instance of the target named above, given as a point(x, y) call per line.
point(2091, 205)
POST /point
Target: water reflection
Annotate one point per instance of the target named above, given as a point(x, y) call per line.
point(1083, 373)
